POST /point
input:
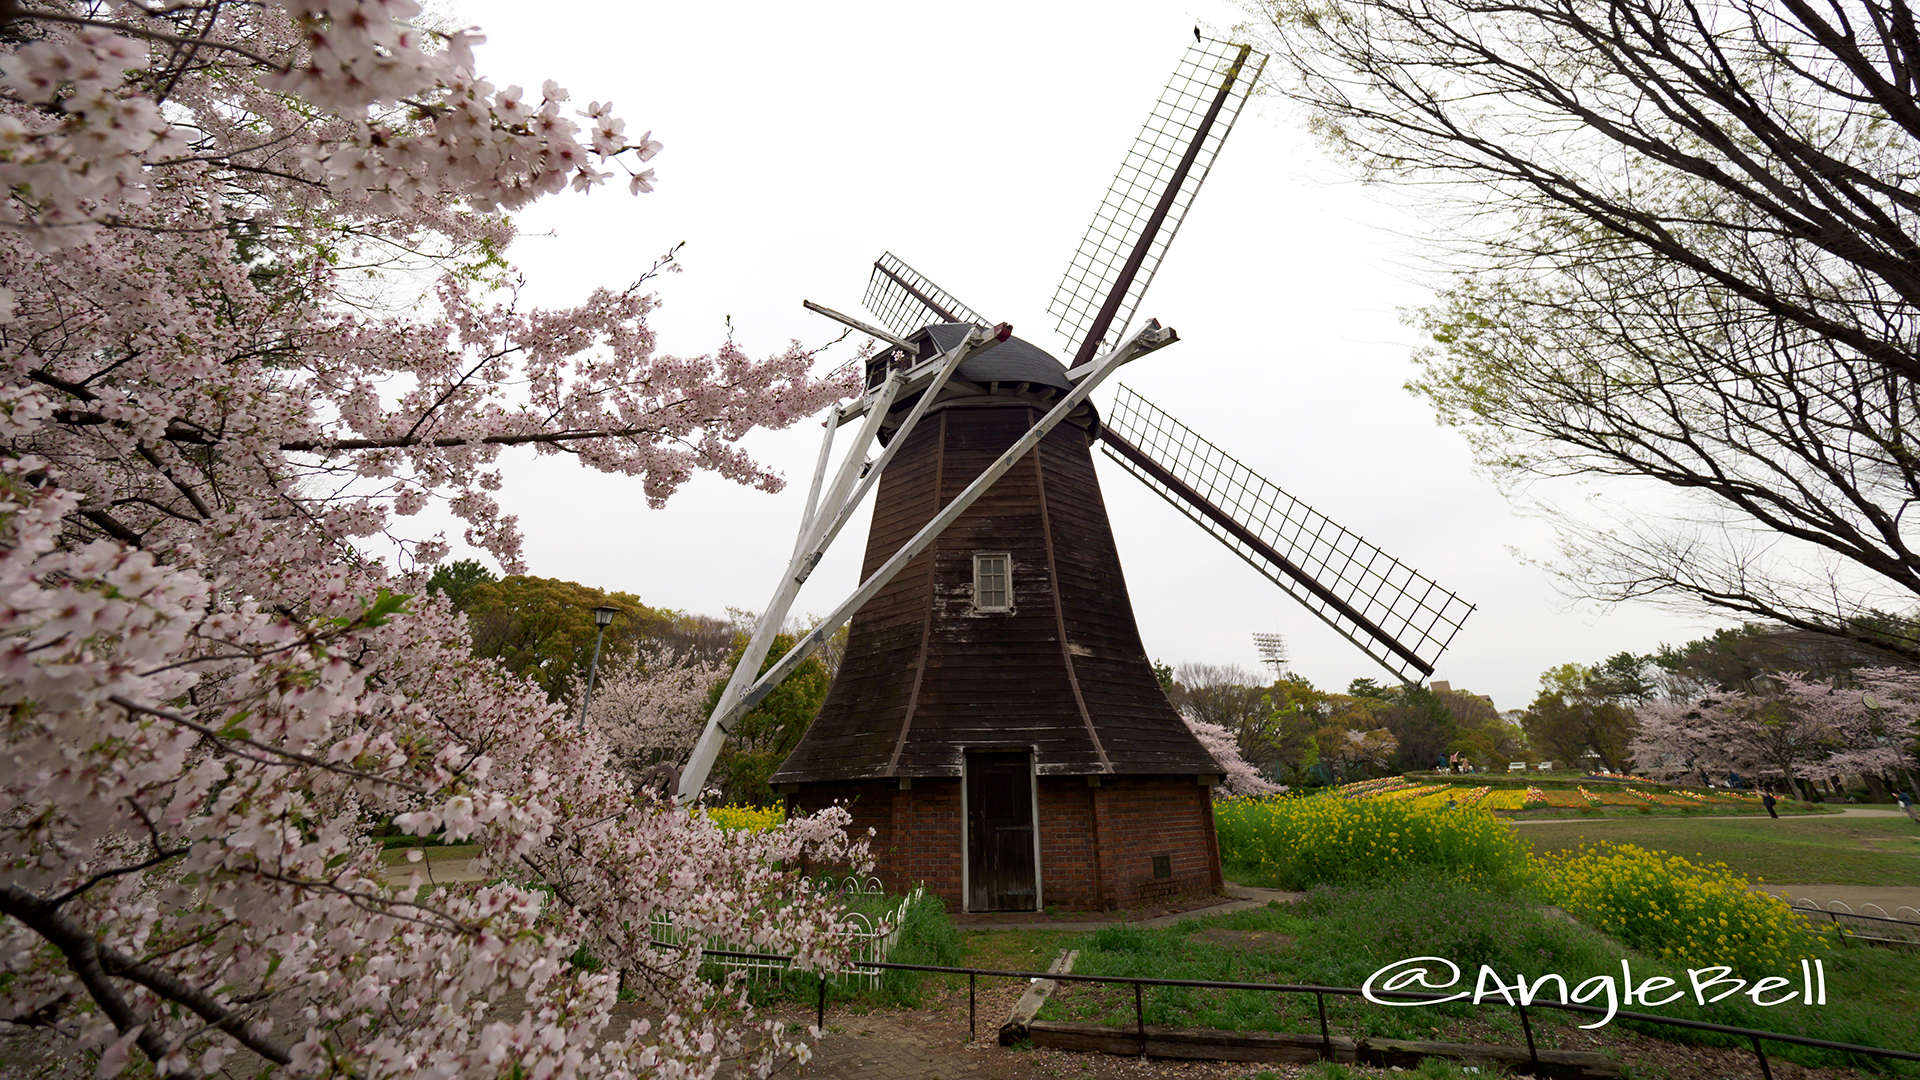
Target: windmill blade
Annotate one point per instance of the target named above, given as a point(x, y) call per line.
point(1158, 180)
point(904, 300)
point(1394, 614)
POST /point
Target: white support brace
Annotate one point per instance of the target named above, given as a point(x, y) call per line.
point(866, 328)
point(948, 366)
point(1148, 339)
point(819, 525)
point(819, 472)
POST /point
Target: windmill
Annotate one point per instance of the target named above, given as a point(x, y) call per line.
point(995, 719)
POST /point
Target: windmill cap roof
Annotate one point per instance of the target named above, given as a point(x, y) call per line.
point(1011, 361)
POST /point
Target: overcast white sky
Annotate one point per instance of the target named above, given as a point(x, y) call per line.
point(974, 142)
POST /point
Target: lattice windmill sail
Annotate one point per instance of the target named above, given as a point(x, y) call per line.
point(1391, 611)
point(1149, 197)
point(994, 678)
point(904, 300)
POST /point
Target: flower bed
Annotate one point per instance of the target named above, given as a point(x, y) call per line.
point(1365, 789)
point(1412, 793)
point(1513, 799)
point(1447, 793)
point(1557, 798)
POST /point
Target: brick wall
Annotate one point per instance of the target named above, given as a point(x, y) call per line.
point(916, 833)
point(1097, 844)
point(1139, 818)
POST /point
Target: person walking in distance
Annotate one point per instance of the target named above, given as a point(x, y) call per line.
point(1767, 800)
point(1906, 803)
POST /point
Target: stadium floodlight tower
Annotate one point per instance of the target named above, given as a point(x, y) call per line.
point(995, 718)
point(1273, 652)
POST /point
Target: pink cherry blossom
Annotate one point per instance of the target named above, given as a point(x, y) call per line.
point(1789, 728)
point(1239, 777)
point(212, 691)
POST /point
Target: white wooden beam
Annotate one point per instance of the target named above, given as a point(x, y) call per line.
point(706, 751)
point(819, 525)
point(819, 472)
point(866, 328)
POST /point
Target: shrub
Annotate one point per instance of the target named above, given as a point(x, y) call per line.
point(1668, 907)
point(1298, 843)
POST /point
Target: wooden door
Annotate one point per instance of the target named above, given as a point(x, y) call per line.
point(1000, 832)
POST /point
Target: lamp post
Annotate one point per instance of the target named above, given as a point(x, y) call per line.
point(602, 615)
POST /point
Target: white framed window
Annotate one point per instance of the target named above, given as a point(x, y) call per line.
point(992, 581)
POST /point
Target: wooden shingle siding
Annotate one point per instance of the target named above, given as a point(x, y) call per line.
point(926, 676)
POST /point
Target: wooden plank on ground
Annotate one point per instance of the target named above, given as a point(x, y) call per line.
point(1568, 1064)
point(1203, 1044)
point(1028, 1007)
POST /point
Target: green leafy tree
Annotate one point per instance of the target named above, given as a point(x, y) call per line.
point(1572, 717)
point(543, 628)
point(455, 579)
point(1282, 743)
point(764, 737)
point(1423, 723)
point(1271, 724)
point(1347, 754)
point(1489, 739)
point(1368, 688)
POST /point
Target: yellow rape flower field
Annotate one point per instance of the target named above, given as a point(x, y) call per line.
point(1410, 867)
point(1669, 907)
point(1295, 842)
point(751, 818)
point(1664, 904)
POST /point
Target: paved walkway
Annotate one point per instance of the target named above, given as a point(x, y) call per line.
point(1889, 899)
point(1243, 897)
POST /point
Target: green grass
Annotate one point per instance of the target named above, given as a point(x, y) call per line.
point(434, 853)
point(1832, 851)
point(1340, 936)
point(1014, 950)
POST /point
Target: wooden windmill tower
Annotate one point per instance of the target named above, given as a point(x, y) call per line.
point(996, 720)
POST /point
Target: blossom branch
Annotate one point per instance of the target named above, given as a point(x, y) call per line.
point(12, 11)
point(279, 755)
point(96, 963)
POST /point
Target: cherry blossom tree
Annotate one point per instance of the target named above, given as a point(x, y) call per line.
point(1240, 777)
point(650, 710)
point(1793, 727)
point(210, 691)
point(1870, 724)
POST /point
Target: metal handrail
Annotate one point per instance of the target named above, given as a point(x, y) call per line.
point(1753, 1035)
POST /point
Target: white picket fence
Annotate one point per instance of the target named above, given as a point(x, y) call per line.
point(874, 946)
